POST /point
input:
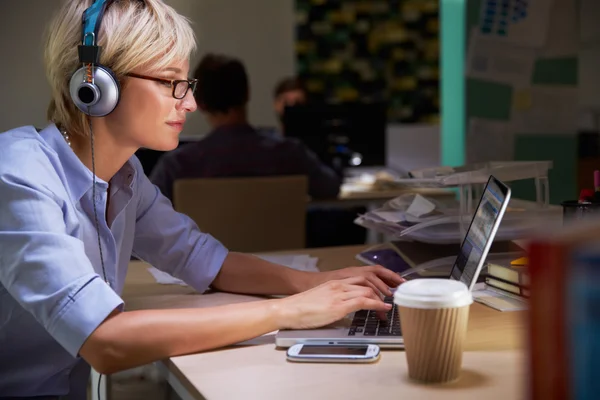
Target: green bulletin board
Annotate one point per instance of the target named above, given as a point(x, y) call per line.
point(491, 100)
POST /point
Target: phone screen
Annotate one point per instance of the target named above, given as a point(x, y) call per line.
point(387, 258)
point(334, 350)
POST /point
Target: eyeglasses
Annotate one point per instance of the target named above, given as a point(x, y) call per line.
point(180, 86)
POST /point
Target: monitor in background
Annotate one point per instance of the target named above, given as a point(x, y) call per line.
point(343, 135)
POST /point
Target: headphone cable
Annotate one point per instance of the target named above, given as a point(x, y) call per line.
point(96, 220)
point(94, 201)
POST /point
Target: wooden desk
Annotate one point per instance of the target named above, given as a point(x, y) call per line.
point(493, 364)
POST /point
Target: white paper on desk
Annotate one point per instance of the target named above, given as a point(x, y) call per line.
point(492, 60)
point(489, 140)
point(525, 23)
point(563, 35)
point(164, 278)
point(546, 109)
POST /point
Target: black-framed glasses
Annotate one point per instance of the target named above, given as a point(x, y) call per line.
point(180, 86)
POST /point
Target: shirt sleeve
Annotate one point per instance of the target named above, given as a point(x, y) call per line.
point(45, 269)
point(171, 241)
point(323, 181)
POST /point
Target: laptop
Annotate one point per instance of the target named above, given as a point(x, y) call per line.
point(364, 327)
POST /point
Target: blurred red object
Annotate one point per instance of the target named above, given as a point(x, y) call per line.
point(586, 195)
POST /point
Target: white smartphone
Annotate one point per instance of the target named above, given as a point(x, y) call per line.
point(304, 352)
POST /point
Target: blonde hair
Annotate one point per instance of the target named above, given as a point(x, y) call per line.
point(133, 34)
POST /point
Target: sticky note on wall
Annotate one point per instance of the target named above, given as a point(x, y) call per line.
point(522, 99)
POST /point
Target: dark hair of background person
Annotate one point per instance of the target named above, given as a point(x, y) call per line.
point(222, 84)
point(288, 85)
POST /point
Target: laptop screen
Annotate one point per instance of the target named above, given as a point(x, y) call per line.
point(475, 245)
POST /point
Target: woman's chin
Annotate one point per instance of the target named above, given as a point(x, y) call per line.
point(163, 145)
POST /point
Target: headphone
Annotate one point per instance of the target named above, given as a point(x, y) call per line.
point(94, 88)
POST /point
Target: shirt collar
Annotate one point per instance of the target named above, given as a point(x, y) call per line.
point(78, 176)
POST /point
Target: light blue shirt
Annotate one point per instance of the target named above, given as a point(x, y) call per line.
point(52, 290)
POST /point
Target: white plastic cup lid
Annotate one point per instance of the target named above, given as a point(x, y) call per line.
point(433, 293)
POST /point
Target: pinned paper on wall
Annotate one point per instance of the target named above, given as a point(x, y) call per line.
point(489, 140)
point(522, 99)
point(589, 85)
point(552, 110)
point(589, 28)
point(496, 61)
point(522, 22)
point(563, 39)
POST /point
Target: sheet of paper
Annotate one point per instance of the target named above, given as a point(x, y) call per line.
point(589, 82)
point(522, 22)
point(390, 216)
point(493, 60)
point(164, 278)
point(420, 207)
point(490, 140)
point(563, 34)
point(589, 28)
point(553, 110)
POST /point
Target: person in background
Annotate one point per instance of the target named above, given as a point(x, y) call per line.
point(329, 226)
point(287, 93)
point(234, 148)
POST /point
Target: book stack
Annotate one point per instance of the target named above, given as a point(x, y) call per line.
point(564, 317)
point(512, 280)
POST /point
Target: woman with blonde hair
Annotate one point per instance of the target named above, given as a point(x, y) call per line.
point(75, 205)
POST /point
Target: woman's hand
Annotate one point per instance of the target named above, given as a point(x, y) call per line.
point(377, 277)
point(329, 302)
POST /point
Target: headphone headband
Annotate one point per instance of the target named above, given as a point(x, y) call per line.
point(89, 51)
point(91, 20)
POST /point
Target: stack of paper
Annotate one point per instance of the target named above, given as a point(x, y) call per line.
point(499, 300)
point(300, 262)
point(429, 220)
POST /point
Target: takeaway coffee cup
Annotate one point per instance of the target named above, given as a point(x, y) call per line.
point(433, 315)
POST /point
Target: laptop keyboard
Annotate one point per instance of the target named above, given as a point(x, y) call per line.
point(367, 323)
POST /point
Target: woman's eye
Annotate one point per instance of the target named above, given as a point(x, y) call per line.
point(165, 83)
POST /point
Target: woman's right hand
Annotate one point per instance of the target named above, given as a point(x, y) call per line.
point(329, 302)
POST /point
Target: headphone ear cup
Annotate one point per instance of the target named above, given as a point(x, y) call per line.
point(99, 98)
